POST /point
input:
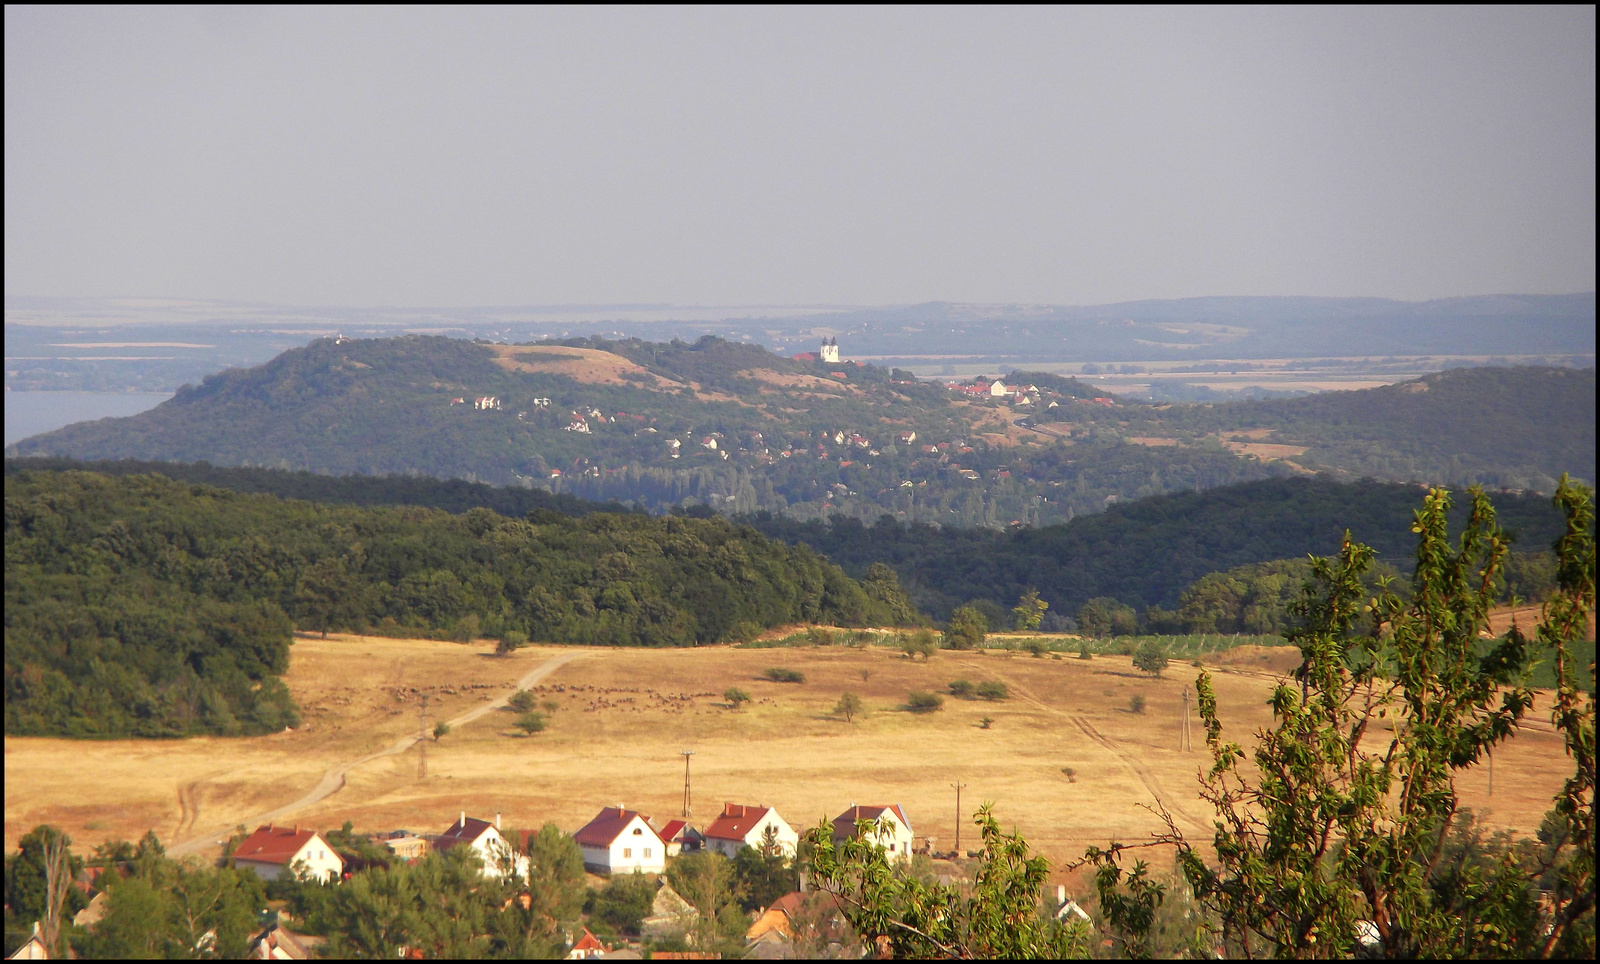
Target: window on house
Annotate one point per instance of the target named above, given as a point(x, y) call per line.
point(647, 853)
point(638, 832)
point(627, 852)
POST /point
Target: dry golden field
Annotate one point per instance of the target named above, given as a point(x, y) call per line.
point(626, 713)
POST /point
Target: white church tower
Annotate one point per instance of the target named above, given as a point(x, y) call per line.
point(830, 350)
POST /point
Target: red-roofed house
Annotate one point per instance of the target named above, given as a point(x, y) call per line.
point(679, 837)
point(622, 841)
point(744, 826)
point(499, 859)
point(586, 947)
point(274, 851)
point(896, 837)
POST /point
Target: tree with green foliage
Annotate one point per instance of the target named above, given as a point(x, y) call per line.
point(1150, 657)
point(992, 690)
point(779, 674)
point(921, 702)
point(510, 641)
point(920, 643)
point(707, 880)
point(522, 701)
point(998, 917)
point(967, 629)
point(530, 723)
point(1029, 611)
point(736, 697)
point(623, 903)
point(1316, 851)
point(39, 887)
point(441, 729)
point(961, 688)
point(763, 874)
point(849, 706)
point(556, 893)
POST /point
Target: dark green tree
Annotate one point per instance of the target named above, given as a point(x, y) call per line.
point(967, 629)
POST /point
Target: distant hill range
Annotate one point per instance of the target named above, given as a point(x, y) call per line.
point(739, 429)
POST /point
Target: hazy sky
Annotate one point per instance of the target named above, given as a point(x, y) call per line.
point(788, 156)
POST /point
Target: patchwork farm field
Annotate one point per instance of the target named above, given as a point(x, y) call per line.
point(624, 715)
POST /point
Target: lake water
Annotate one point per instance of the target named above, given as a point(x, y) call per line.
point(29, 413)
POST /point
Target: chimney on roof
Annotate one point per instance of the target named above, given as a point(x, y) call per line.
point(497, 820)
point(1061, 895)
point(463, 818)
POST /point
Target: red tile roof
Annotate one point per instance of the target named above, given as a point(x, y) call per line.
point(672, 828)
point(736, 822)
point(462, 831)
point(608, 826)
point(589, 942)
point(789, 903)
point(273, 845)
point(845, 823)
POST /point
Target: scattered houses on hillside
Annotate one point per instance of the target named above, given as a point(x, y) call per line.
point(740, 825)
point(681, 838)
point(274, 851)
point(619, 840)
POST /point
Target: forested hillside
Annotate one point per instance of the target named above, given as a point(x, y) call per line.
point(1516, 428)
point(139, 605)
point(738, 429)
point(1145, 553)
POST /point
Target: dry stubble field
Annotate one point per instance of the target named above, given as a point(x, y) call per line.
point(626, 713)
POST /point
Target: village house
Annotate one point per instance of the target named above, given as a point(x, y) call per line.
point(746, 826)
point(906, 438)
point(406, 845)
point(486, 403)
point(895, 837)
point(680, 837)
point(499, 859)
point(998, 389)
point(619, 840)
point(274, 851)
point(586, 947)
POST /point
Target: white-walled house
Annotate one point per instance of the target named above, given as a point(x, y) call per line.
point(746, 826)
point(274, 851)
point(896, 837)
point(498, 856)
point(621, 841)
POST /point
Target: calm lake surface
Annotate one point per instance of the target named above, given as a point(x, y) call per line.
point(29, 413)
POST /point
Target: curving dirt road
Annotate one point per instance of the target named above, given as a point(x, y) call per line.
point(333, 779)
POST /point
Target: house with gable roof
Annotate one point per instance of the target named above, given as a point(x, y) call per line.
point(895, 837)
point(744, 826)
point(274, 851)
point(681, 837)
point(620, 840)
point(498, 856)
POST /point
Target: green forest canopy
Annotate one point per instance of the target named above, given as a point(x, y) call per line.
point(143, 606)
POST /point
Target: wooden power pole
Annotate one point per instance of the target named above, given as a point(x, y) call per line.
point(422, 739)
point(686, 755)
point(1183, 735)
point(958, 785)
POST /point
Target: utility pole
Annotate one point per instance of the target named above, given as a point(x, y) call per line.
point(1183, 738)
point(686, 755)
point(958, 785)
point(422, 739)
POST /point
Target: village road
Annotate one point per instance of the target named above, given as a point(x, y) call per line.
point(334, 778)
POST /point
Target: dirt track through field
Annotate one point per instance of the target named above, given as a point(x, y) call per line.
point(333, 780)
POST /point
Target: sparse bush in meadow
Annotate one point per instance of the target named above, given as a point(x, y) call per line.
point(961, 688)
point(778, 674)
point(920, 702)
point(993, 690)
point(1136, 704)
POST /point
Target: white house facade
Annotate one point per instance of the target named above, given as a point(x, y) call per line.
point(894, 834)
point(621, 841)
point(746, 826)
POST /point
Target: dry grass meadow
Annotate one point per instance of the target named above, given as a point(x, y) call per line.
point(624, 715)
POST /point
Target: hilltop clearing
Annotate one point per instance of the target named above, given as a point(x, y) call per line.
point(624, 715)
